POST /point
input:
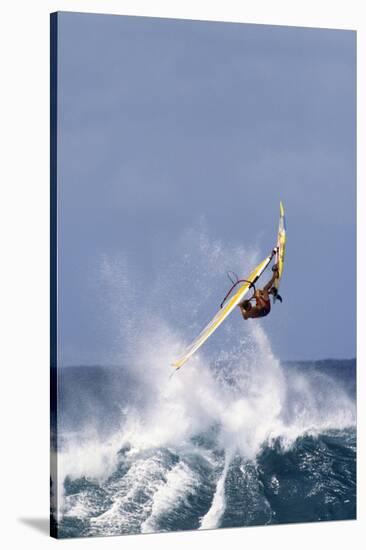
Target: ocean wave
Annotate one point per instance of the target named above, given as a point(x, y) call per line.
point(234, 438)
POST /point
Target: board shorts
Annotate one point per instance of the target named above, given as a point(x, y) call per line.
point(263, 311)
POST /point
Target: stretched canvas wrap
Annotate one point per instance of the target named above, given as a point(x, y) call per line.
point(203, 254)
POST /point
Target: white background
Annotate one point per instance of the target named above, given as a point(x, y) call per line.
point(24, 285)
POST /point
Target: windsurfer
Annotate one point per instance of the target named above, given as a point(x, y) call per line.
point(262, 299)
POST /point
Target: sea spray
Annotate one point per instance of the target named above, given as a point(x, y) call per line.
point(212, 519)
point(173, 441)
point(181, 482)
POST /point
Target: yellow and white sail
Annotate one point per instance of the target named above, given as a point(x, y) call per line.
point(222, 313)
point(239, 295)
point(281, 245)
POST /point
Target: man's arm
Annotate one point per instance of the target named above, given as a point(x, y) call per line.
point(272, 280)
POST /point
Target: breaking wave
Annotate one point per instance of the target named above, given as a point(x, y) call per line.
point(210, 447)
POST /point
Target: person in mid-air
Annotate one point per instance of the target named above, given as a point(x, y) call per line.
point(262, 299)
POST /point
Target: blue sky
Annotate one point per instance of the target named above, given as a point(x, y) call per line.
point(165, 125)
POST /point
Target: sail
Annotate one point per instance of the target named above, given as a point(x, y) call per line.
point(223, 313)
point(281, 245)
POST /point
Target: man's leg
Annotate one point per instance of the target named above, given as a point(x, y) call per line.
point(250, 312)
point(253, 313)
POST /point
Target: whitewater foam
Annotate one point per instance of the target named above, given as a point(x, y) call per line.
point(180, 482)
point(212, 519)
point(235, 389)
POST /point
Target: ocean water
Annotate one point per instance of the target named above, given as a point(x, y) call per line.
point(228, 448)
point(235, 438)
